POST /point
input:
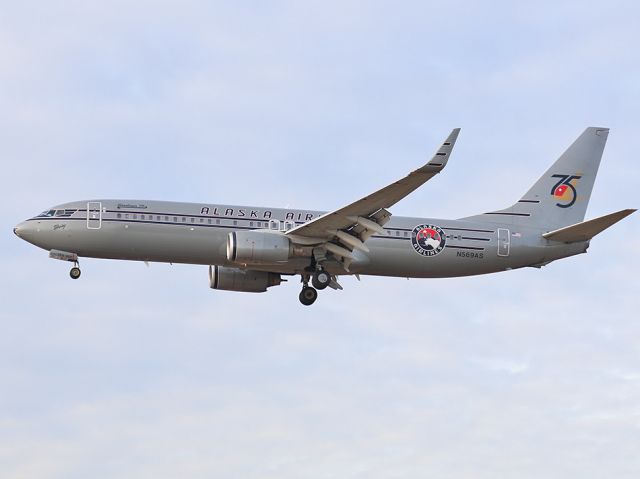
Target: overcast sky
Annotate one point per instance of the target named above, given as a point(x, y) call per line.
point(147, 373)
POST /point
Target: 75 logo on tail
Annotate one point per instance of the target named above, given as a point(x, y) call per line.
point(564, 190)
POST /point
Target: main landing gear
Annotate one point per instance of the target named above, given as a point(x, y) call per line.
point(308, 295)
point(320, 279)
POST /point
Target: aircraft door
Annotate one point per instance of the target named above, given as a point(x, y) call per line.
point(503, 242)
point(94, 215)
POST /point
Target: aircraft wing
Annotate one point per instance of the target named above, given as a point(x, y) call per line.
point(349, 227)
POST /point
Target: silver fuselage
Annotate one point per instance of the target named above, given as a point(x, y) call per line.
point(172, 232)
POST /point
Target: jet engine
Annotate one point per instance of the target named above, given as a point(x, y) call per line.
point(256, 247)
point(247, 281)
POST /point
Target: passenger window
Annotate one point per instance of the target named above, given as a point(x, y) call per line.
point(209, 220)
point(235, 222)
point(397, 233)
point(141, 217)
point(193, 220)
point(201, 220)
point(135, 217)
point(406, 234)
point(184, 220)
point(217, 222)
point(119, 215)
point(126, 216)
point(251, 224)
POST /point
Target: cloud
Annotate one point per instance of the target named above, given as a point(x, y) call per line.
point(508, 366)
point(147, 372)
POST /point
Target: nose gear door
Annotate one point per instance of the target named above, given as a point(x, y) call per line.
point(94, 215)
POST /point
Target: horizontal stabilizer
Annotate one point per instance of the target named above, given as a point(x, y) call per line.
point(588, 229)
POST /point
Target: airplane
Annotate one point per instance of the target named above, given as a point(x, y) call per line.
point(250, 249)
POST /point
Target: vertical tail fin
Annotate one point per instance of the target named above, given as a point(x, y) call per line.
point(560, 197)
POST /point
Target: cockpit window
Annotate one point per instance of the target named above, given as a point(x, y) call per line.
point(57, 213)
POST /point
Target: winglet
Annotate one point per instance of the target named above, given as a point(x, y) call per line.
point(439, 160)
point(588, 229)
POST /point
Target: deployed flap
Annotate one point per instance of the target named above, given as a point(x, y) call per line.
point(326, 225)
point(588, 229)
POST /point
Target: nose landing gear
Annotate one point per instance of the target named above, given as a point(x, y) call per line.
point(66, 256)
point(75, 271)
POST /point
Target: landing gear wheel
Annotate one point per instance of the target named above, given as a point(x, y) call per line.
point(308, 296)
point(320, 279)
point(74, 273)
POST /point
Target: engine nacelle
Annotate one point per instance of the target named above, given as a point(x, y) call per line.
point(257, 247)
point(247, 281)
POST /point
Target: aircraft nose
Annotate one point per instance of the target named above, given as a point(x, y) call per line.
point(21, 230)
point(30, 232)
